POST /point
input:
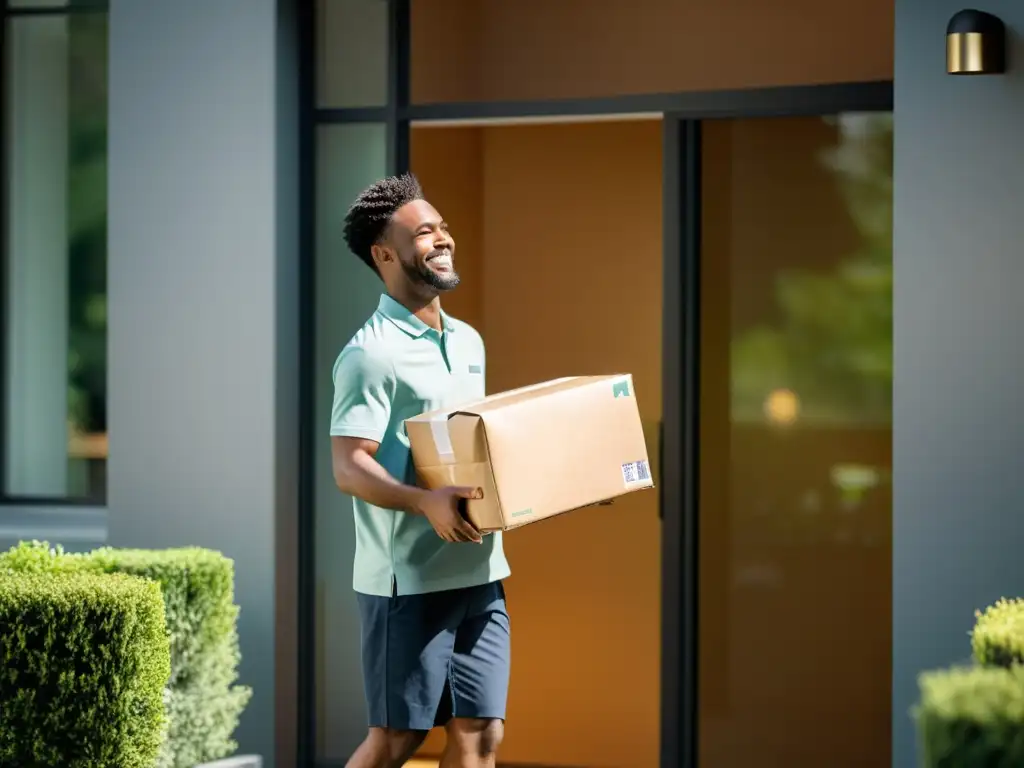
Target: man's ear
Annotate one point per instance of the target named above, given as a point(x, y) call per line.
point(381, 255)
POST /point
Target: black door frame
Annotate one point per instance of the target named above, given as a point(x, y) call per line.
point(683, 114)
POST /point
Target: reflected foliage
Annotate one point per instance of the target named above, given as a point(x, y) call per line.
point(87, 221)
point(833, 345)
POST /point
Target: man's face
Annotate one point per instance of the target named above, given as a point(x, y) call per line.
point(425, 251)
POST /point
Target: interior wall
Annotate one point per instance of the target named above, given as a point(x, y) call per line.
point(558, 241)
point(959, 180)
point(482, 50)
point(450, 164)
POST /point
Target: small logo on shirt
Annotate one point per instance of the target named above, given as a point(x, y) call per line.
point(476, 368)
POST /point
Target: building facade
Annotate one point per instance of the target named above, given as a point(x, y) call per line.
point(789, 223)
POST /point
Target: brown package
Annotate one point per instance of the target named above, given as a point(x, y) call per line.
point(537, 451)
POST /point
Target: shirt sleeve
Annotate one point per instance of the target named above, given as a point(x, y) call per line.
point(364, 390)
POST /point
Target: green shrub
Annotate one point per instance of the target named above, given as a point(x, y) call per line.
point(998, 636)
point(85, 660)
point(972, 716)
point(203, 703)
point(40, 557)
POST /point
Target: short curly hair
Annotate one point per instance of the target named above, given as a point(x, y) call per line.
point(371, 213)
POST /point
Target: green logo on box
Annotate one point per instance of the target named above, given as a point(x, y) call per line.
point(620, 388)
point(522, 512)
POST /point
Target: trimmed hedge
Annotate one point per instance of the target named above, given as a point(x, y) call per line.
point(202, 702)
point(85, 659)
point(998, 636)
point(972, 716)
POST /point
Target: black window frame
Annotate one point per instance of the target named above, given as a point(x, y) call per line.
point(32, 516)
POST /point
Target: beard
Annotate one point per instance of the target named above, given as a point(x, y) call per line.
point(423, 275)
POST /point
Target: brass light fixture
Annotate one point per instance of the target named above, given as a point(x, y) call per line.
point(975, 44)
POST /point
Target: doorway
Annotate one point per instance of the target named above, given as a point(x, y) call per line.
point(558, 241)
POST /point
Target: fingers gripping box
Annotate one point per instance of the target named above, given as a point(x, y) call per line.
point(537, 451)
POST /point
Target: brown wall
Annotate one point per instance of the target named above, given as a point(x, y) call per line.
point(558, 240)
point(477, 50)
point(450, 163)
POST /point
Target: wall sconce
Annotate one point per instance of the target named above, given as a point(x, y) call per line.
point(975, 44)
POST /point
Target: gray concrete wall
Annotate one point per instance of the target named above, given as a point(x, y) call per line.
point(959, 346)
point(203, 311)
point(76, 529)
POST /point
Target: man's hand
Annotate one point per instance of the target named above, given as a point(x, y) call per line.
point(441, 508)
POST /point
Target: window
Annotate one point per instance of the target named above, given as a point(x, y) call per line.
point(55, 246)
point(351, 53)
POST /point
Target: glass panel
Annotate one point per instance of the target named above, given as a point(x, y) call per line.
point(352, 53)
point(796, 442)
point(56, 280)
point(349, 158)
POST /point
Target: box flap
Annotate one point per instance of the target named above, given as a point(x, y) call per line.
point(451, 449)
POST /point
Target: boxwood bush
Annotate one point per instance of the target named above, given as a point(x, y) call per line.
point(84, 660)
point(972, 716)
point(998, 636)
point(203, 703)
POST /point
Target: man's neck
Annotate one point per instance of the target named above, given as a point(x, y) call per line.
point(428, 310)
point(431, 314)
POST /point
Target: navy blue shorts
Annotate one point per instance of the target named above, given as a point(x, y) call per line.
point(428, 658)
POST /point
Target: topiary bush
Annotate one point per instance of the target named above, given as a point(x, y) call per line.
point(971, 716)
point(997, 639)
point(40, 557)
point(203, 703)
point(84, 660)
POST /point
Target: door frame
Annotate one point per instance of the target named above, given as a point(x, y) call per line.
point(682, 115)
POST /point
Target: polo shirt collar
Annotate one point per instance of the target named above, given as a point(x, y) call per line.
point(400, 315)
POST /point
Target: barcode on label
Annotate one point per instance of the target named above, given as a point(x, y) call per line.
point(635, 473)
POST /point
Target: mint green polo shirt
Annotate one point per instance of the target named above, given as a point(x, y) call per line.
point(396, 367)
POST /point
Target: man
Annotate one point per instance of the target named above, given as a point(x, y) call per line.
point(435, 631)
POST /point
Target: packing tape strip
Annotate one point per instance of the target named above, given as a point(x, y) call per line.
point(442, 438)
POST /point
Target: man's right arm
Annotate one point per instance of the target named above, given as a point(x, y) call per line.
point(364, 390)
point(358, 473)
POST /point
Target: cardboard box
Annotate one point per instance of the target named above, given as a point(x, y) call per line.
point(537, 451)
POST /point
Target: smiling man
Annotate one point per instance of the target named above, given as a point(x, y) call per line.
point(435, 631)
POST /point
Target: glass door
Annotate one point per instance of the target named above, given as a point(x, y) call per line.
point(794, 502)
